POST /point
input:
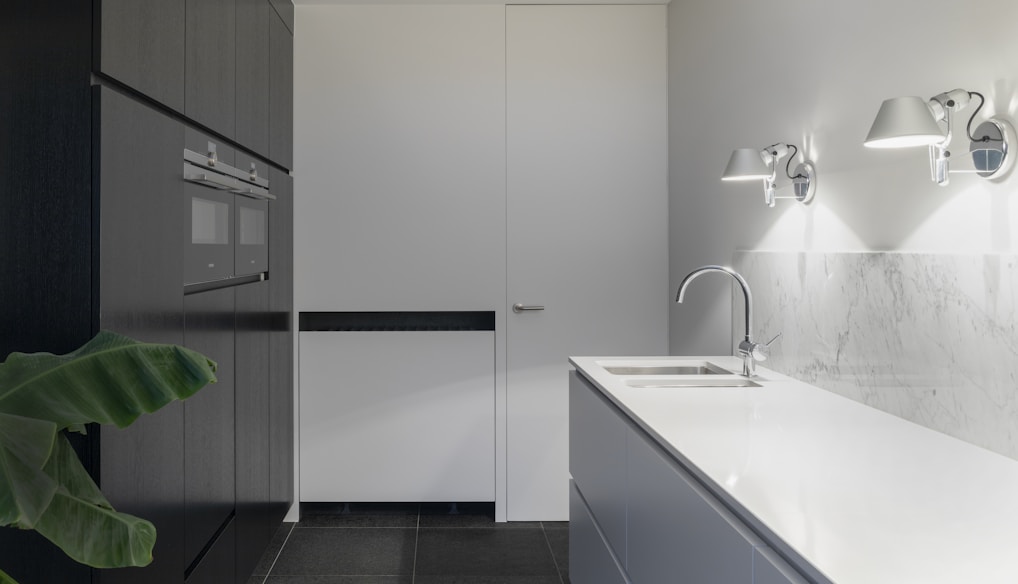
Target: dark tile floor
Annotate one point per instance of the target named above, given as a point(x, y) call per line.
point(427, 543)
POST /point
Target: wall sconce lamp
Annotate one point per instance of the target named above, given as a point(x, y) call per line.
point(753, 164)
point(903, 122)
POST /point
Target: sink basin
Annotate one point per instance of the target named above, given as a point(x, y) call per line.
point(674, 368)
point(675, 382)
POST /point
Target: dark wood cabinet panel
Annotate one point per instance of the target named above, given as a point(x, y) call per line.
point(45, 216)
point(209, 483)
point(285, 10)
point(253, 17)
point(141, 468)
point(281, 393)
point(254, 528)
point(217, 567)
point(280, 94)
point(211, 58)
point(140, 43)
point(94, 227)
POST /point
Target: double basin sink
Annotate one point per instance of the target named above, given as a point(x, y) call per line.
point(672, 373)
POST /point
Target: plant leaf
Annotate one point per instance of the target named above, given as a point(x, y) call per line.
point(5, 579)
point(80, 521)
point(112, 379)
point(25, 490)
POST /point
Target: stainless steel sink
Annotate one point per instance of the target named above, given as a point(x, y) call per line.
point(682, 368)
point(677, 382)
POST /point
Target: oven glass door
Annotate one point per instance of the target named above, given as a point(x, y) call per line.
point(252, 250)
point(210, 254)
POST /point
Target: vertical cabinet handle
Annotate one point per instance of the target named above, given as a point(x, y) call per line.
point(521, 308)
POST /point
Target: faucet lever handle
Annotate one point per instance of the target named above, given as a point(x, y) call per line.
point(761, 350)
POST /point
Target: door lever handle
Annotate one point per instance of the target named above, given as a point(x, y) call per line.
point(521, 308)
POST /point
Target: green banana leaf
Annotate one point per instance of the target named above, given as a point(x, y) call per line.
point(25, 489)
point(112, 379)
point(43, 486)
point(82, 522)
point(5, 579)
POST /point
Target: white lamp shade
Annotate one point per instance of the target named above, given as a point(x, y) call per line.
point(903, 122)
point(746, 164)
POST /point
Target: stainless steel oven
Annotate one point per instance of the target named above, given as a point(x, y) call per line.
point(229, 219)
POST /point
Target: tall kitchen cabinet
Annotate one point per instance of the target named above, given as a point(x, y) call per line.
point(443, 180)
point(99, 101)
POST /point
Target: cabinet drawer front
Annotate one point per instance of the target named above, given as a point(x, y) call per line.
point(597, 459)
point(769, 568)
point(677, 531)
point(590, 557)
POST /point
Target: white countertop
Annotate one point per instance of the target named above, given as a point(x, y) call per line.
point(865, 497)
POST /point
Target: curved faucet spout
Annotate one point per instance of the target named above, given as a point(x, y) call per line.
point(748, 350)
point(747, 295)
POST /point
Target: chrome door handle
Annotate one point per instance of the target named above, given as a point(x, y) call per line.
point(521, 308)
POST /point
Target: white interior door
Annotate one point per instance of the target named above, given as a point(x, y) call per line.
point(587, 216)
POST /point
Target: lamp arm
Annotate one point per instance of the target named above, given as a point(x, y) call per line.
point(968, 128)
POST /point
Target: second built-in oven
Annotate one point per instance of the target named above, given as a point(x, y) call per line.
point(229, 219)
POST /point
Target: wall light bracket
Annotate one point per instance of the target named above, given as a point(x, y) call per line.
point(752, 164)
point(910, 121)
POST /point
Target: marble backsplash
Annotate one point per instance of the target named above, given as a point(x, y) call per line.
point(931, 338)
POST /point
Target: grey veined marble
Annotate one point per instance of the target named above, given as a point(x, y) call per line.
point(931, 338)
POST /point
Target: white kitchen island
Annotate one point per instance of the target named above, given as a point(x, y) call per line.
point(784, 482)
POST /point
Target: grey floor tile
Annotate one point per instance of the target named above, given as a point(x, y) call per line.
point(483, 555)
point(278, 539)
point(465, 515)
point(558, 541)
point(339, 580)
point(347, 552)
point(359, 515)
point(425, 579)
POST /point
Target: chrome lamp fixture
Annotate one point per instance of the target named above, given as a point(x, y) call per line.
point(752, 164)
point(903, 122)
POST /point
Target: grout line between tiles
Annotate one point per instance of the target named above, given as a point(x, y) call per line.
point(278, 553)
point(554, 560)
point(417, 540)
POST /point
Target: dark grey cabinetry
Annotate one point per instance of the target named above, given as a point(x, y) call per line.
point(281, 344)
point(253, 18)
point(281, 94)
point(140, 43)
point(140, 248)
point(209, 422)
point(211, 49)
point(94, 226)
point(253, 369)
point(216, 566)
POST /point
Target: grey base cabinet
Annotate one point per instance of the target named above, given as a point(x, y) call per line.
point(598, 563)
point(638, 516)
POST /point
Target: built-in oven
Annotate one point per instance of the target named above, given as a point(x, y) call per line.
point(229, 218)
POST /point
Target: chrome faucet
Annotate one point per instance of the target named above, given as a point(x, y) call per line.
point(749, 351)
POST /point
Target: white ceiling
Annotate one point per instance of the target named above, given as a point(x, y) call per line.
point(478, 2)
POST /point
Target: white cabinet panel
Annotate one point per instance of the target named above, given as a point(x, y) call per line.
point(397, 416)
point(590, 558)
point(677, 532)
point(587, 197)
point(597, 460)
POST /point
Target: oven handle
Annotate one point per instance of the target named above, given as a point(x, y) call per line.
point(254, 193)
point(210, 179)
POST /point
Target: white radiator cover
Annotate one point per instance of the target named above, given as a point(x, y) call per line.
point(397, 416)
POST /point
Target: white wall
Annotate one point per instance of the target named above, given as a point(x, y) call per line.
point(813, 73)
point(399, 116)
